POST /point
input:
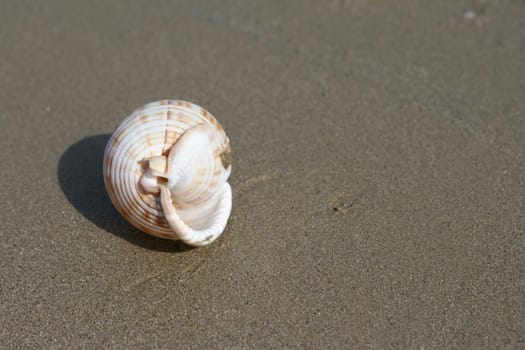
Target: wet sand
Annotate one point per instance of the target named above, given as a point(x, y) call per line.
point(378, 180)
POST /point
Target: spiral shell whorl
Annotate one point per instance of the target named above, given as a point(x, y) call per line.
point(150, 131)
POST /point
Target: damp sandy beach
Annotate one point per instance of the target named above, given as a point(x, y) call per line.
point(378, 177)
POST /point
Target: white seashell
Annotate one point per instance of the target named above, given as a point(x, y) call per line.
point(165, 170)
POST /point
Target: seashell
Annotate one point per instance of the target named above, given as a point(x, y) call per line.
point(166, 168)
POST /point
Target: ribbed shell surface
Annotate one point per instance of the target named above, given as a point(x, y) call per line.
point(149, 131)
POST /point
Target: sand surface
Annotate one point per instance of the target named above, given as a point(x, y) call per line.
point(378, 183)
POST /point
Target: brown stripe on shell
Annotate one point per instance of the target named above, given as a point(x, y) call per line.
point(170, 139)
point(150, 201)
point(161, 221)
point(183, 104)
point(148, 216)
point(166, 235)
point(216, 123)
point(117, 138)
point(206, 114)
point(226, 158)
